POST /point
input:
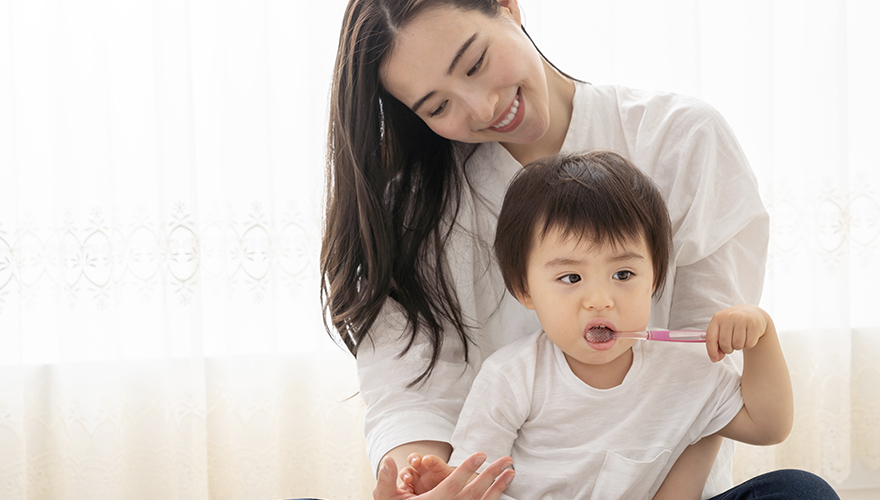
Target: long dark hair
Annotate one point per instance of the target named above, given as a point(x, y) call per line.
point(393, 191)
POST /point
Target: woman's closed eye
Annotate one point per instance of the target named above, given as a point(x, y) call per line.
point(439, 109)
point(476, 67)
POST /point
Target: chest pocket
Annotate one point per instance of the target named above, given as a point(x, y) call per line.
point(630, 475)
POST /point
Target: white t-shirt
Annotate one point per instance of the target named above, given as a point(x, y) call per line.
point(720, 234)
point(569, 440)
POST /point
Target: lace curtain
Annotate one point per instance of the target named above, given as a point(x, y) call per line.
point(161, 170)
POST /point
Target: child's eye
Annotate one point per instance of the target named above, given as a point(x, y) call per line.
point(570, 278)
point(439, 109)
point(476, 67)
point(623, 275)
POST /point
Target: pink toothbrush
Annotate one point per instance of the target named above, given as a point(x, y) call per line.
point(599, 335)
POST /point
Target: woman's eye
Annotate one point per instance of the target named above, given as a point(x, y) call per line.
point(476, 67)
point(623, 275)
point(570, 278)
point(438, 110)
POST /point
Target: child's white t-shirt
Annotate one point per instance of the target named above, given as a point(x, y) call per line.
point(569, 440)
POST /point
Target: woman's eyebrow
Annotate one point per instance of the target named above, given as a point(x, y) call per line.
point(455, 60)
point(460, 53)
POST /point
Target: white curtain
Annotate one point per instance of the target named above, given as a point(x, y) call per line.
point(161, 170)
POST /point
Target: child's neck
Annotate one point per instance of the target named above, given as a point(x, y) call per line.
point(603, 376)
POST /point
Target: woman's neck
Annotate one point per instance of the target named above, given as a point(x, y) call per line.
point(561, 90)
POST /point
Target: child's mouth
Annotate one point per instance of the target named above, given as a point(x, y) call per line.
point(599, 335)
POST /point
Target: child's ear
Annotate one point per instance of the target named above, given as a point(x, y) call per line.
point(524, 297)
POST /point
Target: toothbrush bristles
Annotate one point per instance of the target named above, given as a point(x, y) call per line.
point(600, 334)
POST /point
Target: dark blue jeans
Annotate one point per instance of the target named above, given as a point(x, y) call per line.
point(786, 484)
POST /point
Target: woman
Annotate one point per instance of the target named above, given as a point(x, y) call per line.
point(435, 105)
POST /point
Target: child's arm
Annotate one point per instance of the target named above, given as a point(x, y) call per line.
point(768, 408)
point(690, 471)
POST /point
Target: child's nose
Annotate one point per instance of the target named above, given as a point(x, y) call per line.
point(598, 299)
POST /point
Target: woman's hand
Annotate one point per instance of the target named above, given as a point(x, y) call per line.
point(435, 480)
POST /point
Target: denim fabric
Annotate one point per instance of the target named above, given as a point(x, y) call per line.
point(786, 484)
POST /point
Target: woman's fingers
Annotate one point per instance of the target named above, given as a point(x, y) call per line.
point(484, 485)
point(386, 481)
point(501, 483)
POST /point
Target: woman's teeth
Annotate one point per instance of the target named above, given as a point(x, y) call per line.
point(511, 115)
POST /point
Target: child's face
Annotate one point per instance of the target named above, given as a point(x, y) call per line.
point(574, 285)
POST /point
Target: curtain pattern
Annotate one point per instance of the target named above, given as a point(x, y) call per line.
point(161, 170)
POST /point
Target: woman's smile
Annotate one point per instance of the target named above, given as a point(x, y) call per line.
point(512, 116)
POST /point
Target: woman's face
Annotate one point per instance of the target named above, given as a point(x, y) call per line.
point(470, 77)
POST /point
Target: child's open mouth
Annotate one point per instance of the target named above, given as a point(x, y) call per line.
point(599, 335)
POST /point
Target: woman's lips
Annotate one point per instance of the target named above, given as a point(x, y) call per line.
point(512, 117)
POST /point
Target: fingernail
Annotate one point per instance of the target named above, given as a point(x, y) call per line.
point(385, 469)
point(479, 460)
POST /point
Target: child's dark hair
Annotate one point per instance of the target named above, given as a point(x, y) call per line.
point(600, 196)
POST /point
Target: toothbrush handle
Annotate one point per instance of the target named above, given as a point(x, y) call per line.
point(677, 335)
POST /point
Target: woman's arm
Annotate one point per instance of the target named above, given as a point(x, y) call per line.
point(688, 475)
point(399, 415)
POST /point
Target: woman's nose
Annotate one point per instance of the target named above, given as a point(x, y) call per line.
point(482, 106)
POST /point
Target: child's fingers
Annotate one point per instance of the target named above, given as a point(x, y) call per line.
point(408, 475)
point(712, 347)
point(414, 459)
point(434, 464)
point(725, 338)
point(739, 337)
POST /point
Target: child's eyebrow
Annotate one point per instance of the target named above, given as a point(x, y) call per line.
point(628, 256)
point(562, 262)
point(568, 261)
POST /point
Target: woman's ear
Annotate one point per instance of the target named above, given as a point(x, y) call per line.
point(511, 8)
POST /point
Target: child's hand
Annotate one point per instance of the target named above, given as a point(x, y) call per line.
point(424, 473)
point(457, 483)
point(734, 329)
